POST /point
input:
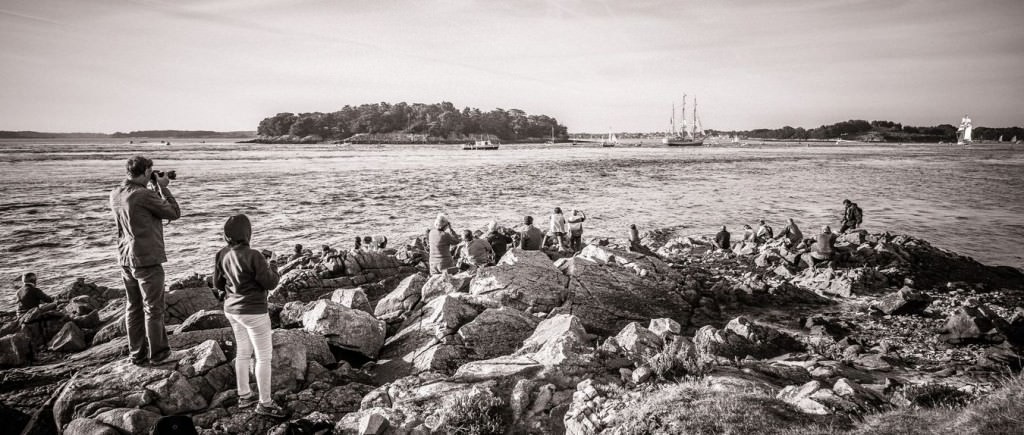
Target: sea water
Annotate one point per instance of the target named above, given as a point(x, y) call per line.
point(55, 218)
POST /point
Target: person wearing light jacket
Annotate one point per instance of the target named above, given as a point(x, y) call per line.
point(246, 276)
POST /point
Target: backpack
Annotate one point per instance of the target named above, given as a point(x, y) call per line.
point(858, 214)
point(174, 425)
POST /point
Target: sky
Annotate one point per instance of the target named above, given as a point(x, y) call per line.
point(122, 65)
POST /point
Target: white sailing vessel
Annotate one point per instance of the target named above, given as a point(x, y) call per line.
point(611, 141)
point(688, 135)
point(963, 134)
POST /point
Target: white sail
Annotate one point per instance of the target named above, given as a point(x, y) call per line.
point(685, 127)
point(963, 133)
point(698, 130)
point(1000, 138)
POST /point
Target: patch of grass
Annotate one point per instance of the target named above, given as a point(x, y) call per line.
point(472, 414)
point(692, 407)
point(933, 396)
point(676, 359)
point(999, 412)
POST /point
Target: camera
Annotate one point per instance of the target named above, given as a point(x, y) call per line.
point(170, 174)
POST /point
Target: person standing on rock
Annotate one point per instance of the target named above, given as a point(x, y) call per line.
point(792, 234)
point(29, 296)
point(138, 213)
point(440, 240)
point(499, 241)
point(531, 238)
point(557, 227)
point(246, 277)
point(576, 230)
point(722, 239)
point(852, 216)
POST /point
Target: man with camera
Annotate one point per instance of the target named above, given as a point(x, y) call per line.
point(138, 213)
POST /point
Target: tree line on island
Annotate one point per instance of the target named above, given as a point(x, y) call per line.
point(422, 122)
point(881, 131)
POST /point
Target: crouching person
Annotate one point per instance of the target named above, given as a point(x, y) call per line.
point(246, 276)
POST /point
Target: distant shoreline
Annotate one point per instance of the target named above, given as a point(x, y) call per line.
point(142, 134)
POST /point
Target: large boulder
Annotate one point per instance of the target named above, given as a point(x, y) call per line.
point(606, 298)
point(204, 319)
point(109, 332)
point(444, 283)
point(638, 341)
point(905, 301)
point(292, 312)
point(15, 350)
point(967, 325)
point(185, 302)
point(560, 344)
point(524, 280)
point(120, 384)
point(69, 339)
point(402, 298)
point(40, 324)
point(426, 340)
point(741, 338)
point(354, 298)
point(496, 332)
point(842, 283)
point(201, 359)
point(345, 327)
point(128, 420)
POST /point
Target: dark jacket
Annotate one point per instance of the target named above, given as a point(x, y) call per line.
point(499, 243)
point(242, 272)
point(30, 297)
point(140, 233)
point(792, 234)
point(532, 239)
point(722, 239)
point(850, 214)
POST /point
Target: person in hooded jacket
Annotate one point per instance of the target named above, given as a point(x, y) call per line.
point(246, 276)
point(499, 241)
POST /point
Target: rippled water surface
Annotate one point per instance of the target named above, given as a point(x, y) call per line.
point(55, 220)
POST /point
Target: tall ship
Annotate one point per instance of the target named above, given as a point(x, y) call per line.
point(963, 134)
point(685, 134)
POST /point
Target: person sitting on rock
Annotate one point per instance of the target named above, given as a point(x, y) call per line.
point(823, 248)
point(368, 245)
point(474, 252)
point(748, 234)
point(380, 242)
point(440, 241)
point(557, 228)
point(247, 276)
point(297, 254)
point(498, 240)
point(29, 296)
point(722, 239)
point(359, 244)
point(531, 238)
point(325, 251)
point(764, 232)
point(792, 234)
point(576, 230)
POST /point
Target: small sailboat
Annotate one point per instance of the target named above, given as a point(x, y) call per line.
point(963, 134)
point(611, 141)
point(552, 141)
point(686, 136)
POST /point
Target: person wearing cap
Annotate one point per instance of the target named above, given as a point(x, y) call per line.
point(246, 277)
point(440, 240)
point(531, 238)
point(139, 213)
point(30, 296)
point(576, 230)
point(499, 241)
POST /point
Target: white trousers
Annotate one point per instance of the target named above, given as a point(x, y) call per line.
point(252, 332)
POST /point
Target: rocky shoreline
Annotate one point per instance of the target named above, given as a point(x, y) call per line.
point(547, 342)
